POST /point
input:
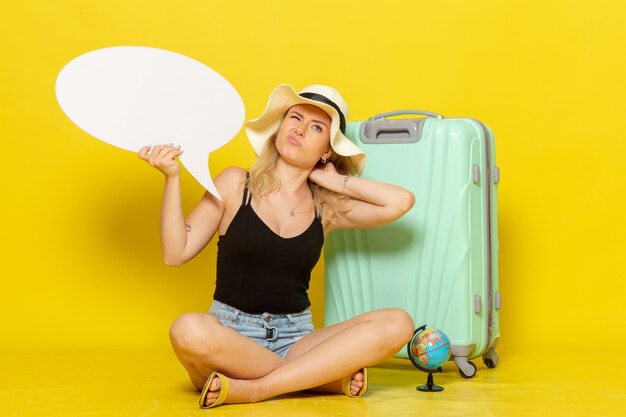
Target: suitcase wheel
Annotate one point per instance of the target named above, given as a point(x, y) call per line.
point(467, 369)
point(491, 359)
point(489, 363)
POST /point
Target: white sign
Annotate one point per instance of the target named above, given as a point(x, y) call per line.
point(133, 96)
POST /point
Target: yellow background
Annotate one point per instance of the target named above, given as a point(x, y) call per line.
point(80, 253)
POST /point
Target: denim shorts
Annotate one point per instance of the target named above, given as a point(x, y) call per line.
point(275, 332)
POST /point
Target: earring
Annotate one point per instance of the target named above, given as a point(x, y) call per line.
point(324, 159)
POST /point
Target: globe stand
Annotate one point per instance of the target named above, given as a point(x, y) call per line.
point(430, 386)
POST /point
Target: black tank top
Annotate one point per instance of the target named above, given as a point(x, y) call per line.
point(259, 271)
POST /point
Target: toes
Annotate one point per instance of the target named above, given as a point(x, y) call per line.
point(214, 391)
point(216, 384)
point(355, 387)
point(356, 383)
point(358, 376)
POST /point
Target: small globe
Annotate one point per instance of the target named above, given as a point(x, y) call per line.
point(429, 349)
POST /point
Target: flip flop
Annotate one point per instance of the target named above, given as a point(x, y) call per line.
point(345, 385)
point(223, 391)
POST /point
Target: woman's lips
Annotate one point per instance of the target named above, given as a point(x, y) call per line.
point(294, 141)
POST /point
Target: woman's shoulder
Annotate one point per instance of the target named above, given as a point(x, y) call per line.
point(230, 181)
point(233, 173)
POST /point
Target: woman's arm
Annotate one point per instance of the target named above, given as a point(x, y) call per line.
point(371, 204)
point(182, 239)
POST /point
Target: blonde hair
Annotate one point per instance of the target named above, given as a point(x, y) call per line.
point(328, 204)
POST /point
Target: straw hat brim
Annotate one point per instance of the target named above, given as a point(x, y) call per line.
point(281, 100)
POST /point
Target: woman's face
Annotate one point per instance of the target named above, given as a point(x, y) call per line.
point(304, 135)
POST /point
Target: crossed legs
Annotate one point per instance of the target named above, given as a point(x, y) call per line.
point(318, 361)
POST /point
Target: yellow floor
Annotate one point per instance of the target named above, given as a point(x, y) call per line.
point(142, 383)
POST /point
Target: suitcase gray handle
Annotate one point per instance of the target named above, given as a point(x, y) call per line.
point(403, 112)
point(381, 130)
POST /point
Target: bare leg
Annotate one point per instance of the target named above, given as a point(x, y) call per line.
point(307, 343)
point(357, 380)
point(327, 355)
point(203, 345)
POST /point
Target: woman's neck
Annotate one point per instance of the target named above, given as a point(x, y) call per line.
point(292, 179)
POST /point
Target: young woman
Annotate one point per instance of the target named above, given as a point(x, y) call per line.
point(258, 339)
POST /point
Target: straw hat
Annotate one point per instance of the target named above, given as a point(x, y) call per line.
point(326, 98)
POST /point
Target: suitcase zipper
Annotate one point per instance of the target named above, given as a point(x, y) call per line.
point(489, 244)
point(488, 231)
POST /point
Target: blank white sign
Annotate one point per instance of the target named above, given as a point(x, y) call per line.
point(133, 96)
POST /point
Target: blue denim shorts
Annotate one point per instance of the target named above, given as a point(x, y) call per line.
point(275, 332)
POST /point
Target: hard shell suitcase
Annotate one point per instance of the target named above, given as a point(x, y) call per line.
point(439, 261)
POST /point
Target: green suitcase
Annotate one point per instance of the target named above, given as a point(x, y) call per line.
point(438, 262)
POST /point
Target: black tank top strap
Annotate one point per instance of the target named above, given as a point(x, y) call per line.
point(244, 201)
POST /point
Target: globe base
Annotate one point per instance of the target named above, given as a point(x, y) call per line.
point(430, 385)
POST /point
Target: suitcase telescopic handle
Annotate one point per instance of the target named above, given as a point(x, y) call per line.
point(404, 112)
